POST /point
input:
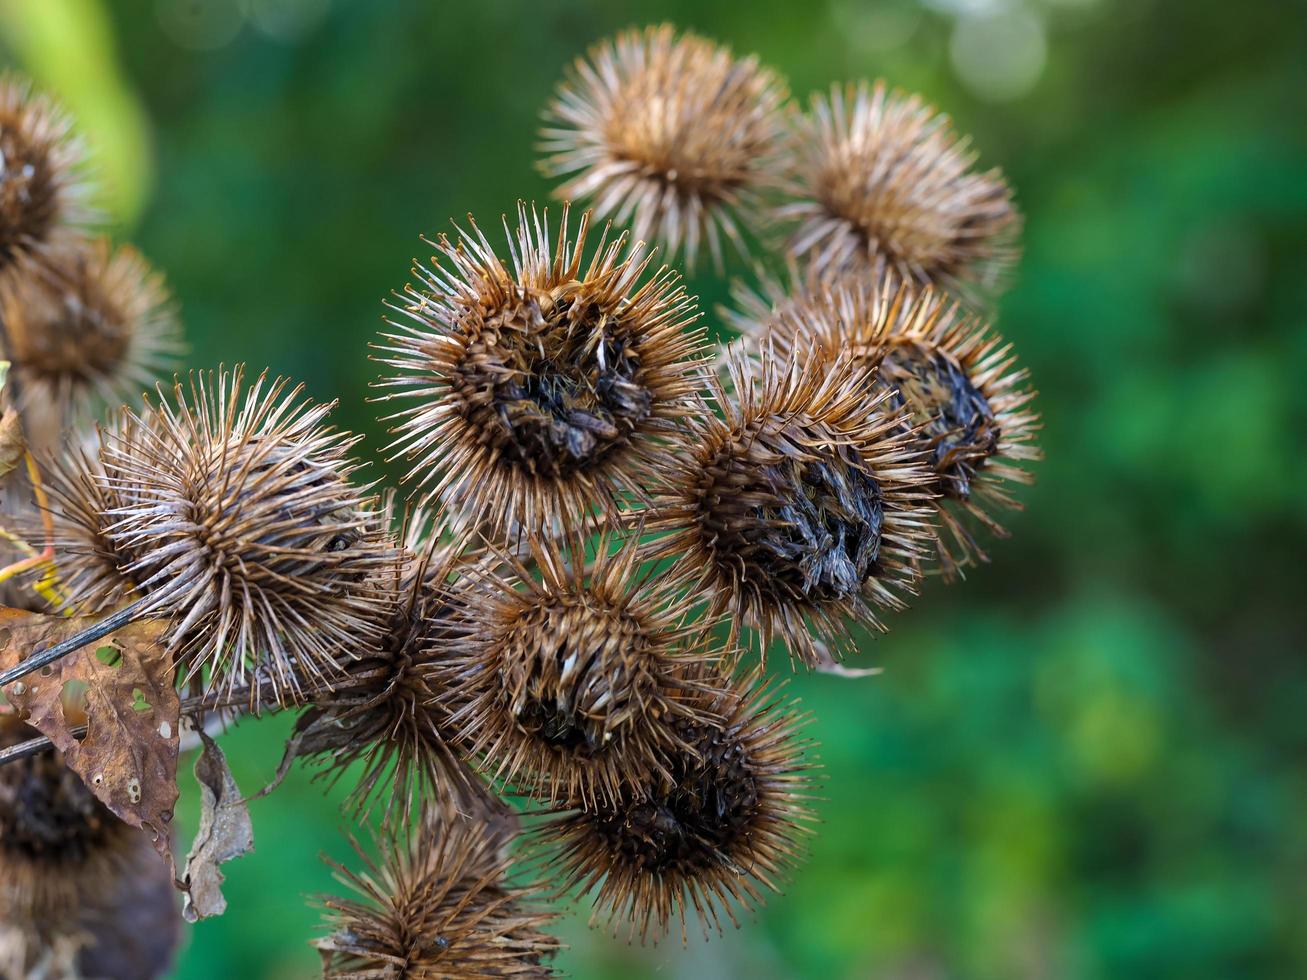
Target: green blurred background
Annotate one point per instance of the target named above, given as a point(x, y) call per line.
point(1085, 761)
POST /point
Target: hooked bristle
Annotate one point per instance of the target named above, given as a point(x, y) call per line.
point(803, 508)
point(672, 135)
point(574, 672)
point(434, 909)
point(713, 836)
point(543, 391)
point(882, 181)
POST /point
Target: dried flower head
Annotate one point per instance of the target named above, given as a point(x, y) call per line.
point(40, 171)
point(968, 404)
point(95, 570)
point(574, 671)
point(87, 320)
point(57, 841)
point(971, 408)
point(545, 390)
point(672, 135)
point(436, 906)
point(718, 831)
point(881, 180)
point(235, 509)
point(803, 506)
point(392, 712)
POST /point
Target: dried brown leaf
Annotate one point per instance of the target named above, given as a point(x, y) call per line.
point(124, 684)
point(225, 833)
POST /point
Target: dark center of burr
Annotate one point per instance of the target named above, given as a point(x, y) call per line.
point(801, 527)
point(576, 675)
point(562, 382)
point(693, 823)
point(960, 430)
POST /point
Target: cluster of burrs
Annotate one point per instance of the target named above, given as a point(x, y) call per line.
point(611, 524)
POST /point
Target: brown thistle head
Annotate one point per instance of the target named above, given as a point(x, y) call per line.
point(803, 506)
point(671, 134)
point(970, 406)
point(57, 841)
point(541, 391)
point(436, 905)
point(717, 832)
point(574, 672)
point(881, 180)
point(391, 712)
point(235, 514)
point(87, 321)
point(40, 171)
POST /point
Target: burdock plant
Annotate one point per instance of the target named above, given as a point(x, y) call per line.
point(544, 673)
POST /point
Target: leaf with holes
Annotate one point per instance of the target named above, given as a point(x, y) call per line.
point(124, 687)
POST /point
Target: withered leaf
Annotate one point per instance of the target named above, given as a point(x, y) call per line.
point(124, 686)
point(225, 833)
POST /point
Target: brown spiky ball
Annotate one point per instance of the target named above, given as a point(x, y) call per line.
point(87, 321)
point(57, 841)
point(392, 714)
point(437, 905)
point(669, 134)
point(882, 181)
point(716, 834)
point(543, 390)
point(574, 671)
point(803, 507)
point(971, 406)
point(234, 509)
point(41, 163)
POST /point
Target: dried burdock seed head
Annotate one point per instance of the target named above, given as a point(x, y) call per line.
point(87, 321)
point(544, 390)
point(392, 712)
point(94, 569)
point(672, 135)
point(58, 843)
point(40, 171)
point(243, 529)
point(575, 671)
point(971, 408)
point(717, 833)
point(881, 180)
point(804, 506)
point(436, 905)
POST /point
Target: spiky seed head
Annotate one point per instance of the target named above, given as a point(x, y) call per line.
point(95, 570)
point(542, 391)
point(393, 713)
point(436, 905)
point(243, 529)
point(41, 164)
point(87, 320)
point(670, 134)
point(802, 507)
point(971, 408)
point(58, 843)
point(881, 180)
point(718, 832)
point(574, 671)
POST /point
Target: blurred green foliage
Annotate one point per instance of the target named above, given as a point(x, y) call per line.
point(1085, 761)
